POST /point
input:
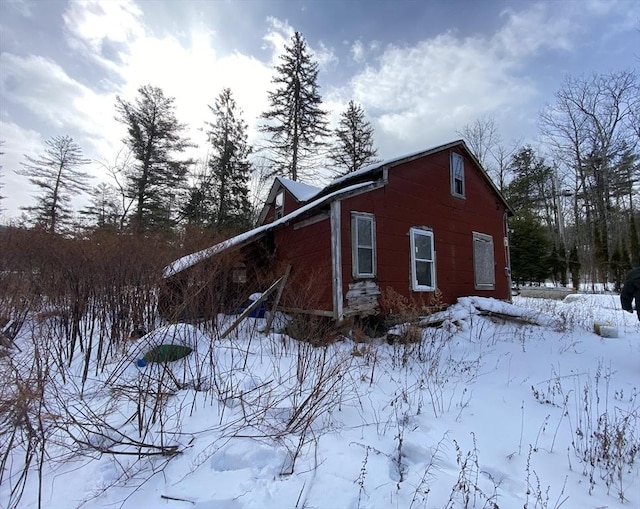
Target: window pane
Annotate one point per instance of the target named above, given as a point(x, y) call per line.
point(364, 232)
point(365, 261)
point(423, 247)
point(423, 273)
point(457, 174)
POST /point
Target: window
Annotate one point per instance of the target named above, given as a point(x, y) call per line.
point(483, 262)
point(423, 270)
point(363, 245)
point(457, 175)
point(239, 273)
point(279, 206)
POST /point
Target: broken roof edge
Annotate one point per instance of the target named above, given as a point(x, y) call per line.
point(249, 236)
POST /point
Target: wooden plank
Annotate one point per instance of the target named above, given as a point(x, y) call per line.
point(253, 306)
point(283, 281)
point(336, 261)
point(314, 312)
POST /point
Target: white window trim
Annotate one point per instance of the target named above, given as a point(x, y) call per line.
point(278, 209)
point(452, 164)
point(414, 278)
point(357, 274)
point(483, 237)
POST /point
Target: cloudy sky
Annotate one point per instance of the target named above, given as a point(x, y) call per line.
point(421, 69)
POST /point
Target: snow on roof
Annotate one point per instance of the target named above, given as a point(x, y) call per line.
point(246, 237)
point(300, 191)
point(372, 167)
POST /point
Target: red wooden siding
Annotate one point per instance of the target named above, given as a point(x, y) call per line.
point(418, 194)
point(308, 250)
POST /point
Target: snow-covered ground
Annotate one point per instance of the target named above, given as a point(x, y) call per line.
point(484, 411)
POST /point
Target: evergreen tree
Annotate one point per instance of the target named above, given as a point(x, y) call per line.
point(199, 207)
point(634, 240)
point(155, 138)
point(557, 263)
point(529, 250)
point(531, 190)
point(619, 265)
point(295, 122)
point(574, 267)
point(227, 188)
point(105, 209)
point(354, 146)
point(57, 176)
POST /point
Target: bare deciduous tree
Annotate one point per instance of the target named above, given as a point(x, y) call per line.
point(482, 137)
point(591, 129)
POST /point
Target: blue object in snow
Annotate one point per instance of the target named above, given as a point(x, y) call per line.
point(258, 312)
point(141, 363)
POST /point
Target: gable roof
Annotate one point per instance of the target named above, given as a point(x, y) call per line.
point(366, 171)
point(299, 190)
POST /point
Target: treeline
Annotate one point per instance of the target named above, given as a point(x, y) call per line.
point(575, 194)
point(155, 187)
point(576, 197)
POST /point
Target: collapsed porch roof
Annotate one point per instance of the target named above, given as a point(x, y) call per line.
point(250, 236)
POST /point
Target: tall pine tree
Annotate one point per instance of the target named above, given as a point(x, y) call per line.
point(105, 210)
point(354, 146)
point(155, 138)
point(57, 175)
point(295, 123)
point(229, 167)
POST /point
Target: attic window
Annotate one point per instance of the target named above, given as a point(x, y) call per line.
point(457, 175)
point(239, 273)
point(279, 205)
point(483, 262)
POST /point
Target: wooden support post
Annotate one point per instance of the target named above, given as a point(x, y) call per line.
point(255, 304)
point(283, 281)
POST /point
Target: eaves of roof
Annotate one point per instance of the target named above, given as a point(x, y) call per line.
point(252, 235)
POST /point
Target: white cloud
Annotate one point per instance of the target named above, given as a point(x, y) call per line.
point(358, 52)
point(48, 92)
point(102, 30)
point(420, 95)
point(325, 56)
point(18, 141)
point(527, 32)
point(24, 7)
point(279, 34)
point(188, 69)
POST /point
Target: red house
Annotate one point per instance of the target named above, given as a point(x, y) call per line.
point(431, 222)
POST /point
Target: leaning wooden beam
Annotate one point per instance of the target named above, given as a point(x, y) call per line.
point(253, 306)
point(314, 312)
point(276, 301)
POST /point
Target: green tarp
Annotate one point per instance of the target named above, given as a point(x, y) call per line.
point(167, 353)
